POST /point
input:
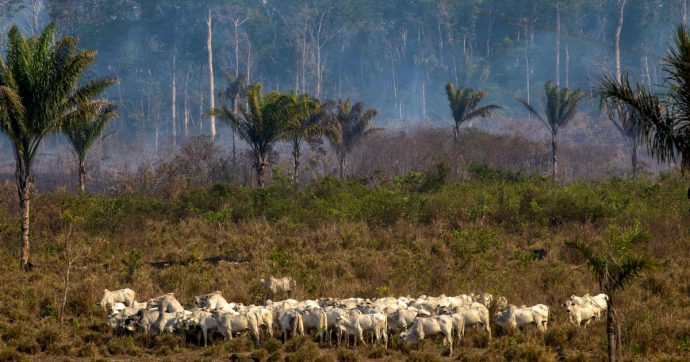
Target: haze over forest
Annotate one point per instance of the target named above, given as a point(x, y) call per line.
point(394, 55)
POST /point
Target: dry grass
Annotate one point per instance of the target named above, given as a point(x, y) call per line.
point(345, 239)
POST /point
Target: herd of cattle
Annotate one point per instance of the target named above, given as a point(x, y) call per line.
point(412, 319)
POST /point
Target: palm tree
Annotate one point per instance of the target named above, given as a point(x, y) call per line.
point(261, 126)
point(463, 104)
point(40, 92)
point(236, 88)
point(309, 125)
point(82, 134)
point(615, 265)
point(350, 124)
point(560, 108)
point(621, 115)
point(664, 121)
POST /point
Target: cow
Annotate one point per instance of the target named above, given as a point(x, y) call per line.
point(229, 324)
point(166, 322)
point(146, 318)
point(165, 303)
point(582, 310)
point(202, 319)
point(348, 324)
point(428, 327)
point(110, 298)
point(315, 319)
point(213, 300)
point(521, 316)
point(290, 322)
point(475, 314)
point(274, 286)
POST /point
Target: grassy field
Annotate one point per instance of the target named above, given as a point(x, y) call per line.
point(411, 235)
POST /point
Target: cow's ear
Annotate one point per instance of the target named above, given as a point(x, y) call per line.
point(105, 290)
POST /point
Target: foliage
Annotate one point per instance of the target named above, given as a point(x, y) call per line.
point(663, 121)
point(464, 103)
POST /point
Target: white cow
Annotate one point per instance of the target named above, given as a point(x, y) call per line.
point(274, 286)
point(166, 322)
point(375, 323)
point(229, 324)
point(110, 298)
point(290, 322)
point(582, 310)
point(475, 314)
point(213, 300)
point(202, 319)
point(146, 318)
point(315, 319)
point(428, 327)
point(348, 324)
point(165, 303)
point(521, 316)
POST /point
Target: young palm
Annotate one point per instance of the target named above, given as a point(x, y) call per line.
point(350, 124)
point(663, 121)
point(308, 126)
point(261, 126)
point(463, 105)
point(82, 135)
point(560, 108)
point(615, 265)
point(40, 92)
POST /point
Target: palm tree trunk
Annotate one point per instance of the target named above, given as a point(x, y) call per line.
point(610, 330)
point(296, 153)
point(341, 165)
point(455, 133)
point(261, 166)
point(24, 190)
point(554, 157)
point(685, 164)
point(82, 176)
point(633, 159)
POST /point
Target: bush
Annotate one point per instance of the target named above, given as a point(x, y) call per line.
point(423, 356)
point(88, 350)
point(347, 355)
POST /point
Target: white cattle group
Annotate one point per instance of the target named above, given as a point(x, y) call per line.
point(412, 319)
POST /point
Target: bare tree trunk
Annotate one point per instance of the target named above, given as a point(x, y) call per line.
point(554, 157)
point(529, 114)
point(187, 110)
point(684, 7)
point(82, 175)
point(64, 291)
point(424, 101)
point(212, 91)
point(567, 66)
point(619, 28)
point(174, 98)
point(24, 191)
point(235, 103)
point(558, 45)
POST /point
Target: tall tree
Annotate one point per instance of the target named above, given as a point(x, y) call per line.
point(560, 107)
point(211, 78)
point(262, 125)
point(308, 126)
point(464, 103)
point(350, 124)
point(82, 134)
point(664, 121)
point(40, 92)
point(615, 264)
point(234, 90)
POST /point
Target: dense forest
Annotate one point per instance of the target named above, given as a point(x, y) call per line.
point(396, 55)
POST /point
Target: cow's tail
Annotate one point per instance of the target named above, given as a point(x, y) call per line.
point(298, 326)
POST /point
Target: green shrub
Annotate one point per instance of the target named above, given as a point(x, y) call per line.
point(347, 355)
